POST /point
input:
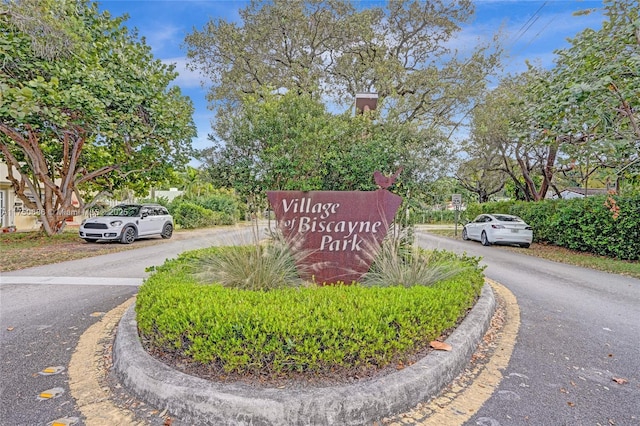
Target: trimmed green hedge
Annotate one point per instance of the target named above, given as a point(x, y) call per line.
point(307, 329)
point(603, 225)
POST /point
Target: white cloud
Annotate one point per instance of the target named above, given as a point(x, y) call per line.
point(186, 79)
point(161, 37)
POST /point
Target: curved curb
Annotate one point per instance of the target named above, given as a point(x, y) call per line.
point(465, 396)
point(86, 370)
point(198, 401)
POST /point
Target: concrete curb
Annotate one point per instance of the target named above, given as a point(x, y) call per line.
point(198, 401)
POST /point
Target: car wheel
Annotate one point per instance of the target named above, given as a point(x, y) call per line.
point(525, 245)
point(128, 235)
point(484, 240)
point(90, 240)
point(464, 234)
point(167, 231)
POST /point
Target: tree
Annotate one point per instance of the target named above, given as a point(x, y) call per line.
point(330, 48)
point(327, 51)
point(481, 176)
point(596, 98)
point(504, 128)
point(91, 112)
point(290, 142)
point(574, 121)
point(194, 182)
point(592, 98)
point(271, 142)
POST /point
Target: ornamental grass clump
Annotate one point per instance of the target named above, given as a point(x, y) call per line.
point(396, 262)
point(259, 266)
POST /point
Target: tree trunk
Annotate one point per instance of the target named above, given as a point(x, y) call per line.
point(57, 182)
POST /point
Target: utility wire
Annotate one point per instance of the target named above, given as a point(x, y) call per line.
point(527, 25)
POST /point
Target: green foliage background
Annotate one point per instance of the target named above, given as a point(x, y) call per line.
point(216, 207)
point(85, 108)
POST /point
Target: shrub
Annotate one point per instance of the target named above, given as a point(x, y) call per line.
point(163, 201)
point(311, 330)
point(434, 216)
point(253, 267)
point(221, 201)
point(592, 224)
point(218, 207)
point(190, 215)
point(395, 264)
point(475, 209)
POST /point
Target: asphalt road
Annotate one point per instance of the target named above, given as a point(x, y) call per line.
point(580, 330)
point(44, 310)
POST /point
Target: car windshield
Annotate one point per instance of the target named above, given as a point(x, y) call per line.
point(503, 218)
point(124, 210)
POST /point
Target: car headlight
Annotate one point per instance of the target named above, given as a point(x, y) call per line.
point(116, 223)
point(83, 222)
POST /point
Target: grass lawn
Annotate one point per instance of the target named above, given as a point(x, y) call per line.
point(563, 255)
point(20, 250)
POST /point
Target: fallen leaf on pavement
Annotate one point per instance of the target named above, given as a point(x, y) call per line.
point(620, 381)
point(440, 346)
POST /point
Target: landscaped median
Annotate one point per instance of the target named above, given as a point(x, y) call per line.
point(296, 355)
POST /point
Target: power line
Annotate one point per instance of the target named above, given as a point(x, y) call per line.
point(537, 34)
point(527, 25)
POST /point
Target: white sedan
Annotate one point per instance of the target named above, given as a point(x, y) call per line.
point(498, 229)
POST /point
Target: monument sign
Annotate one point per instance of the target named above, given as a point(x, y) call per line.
point(337, 230)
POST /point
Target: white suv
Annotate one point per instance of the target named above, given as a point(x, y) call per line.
point(128, 222)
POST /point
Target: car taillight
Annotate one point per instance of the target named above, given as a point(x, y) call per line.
point(497, 226)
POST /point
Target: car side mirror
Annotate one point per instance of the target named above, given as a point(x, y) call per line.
point(145, 214)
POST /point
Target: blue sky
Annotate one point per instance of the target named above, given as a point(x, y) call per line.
point(533, 30)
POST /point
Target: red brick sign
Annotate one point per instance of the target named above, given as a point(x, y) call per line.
point(337, 230)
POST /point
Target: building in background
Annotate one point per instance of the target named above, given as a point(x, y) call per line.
point(14, 215)
point(568, 193)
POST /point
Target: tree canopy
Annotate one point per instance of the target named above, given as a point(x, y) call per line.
point(283, 79)
point(331, 49)
point(291, 142)
point(84, 107)
point(595, 94)
point(578, 120)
